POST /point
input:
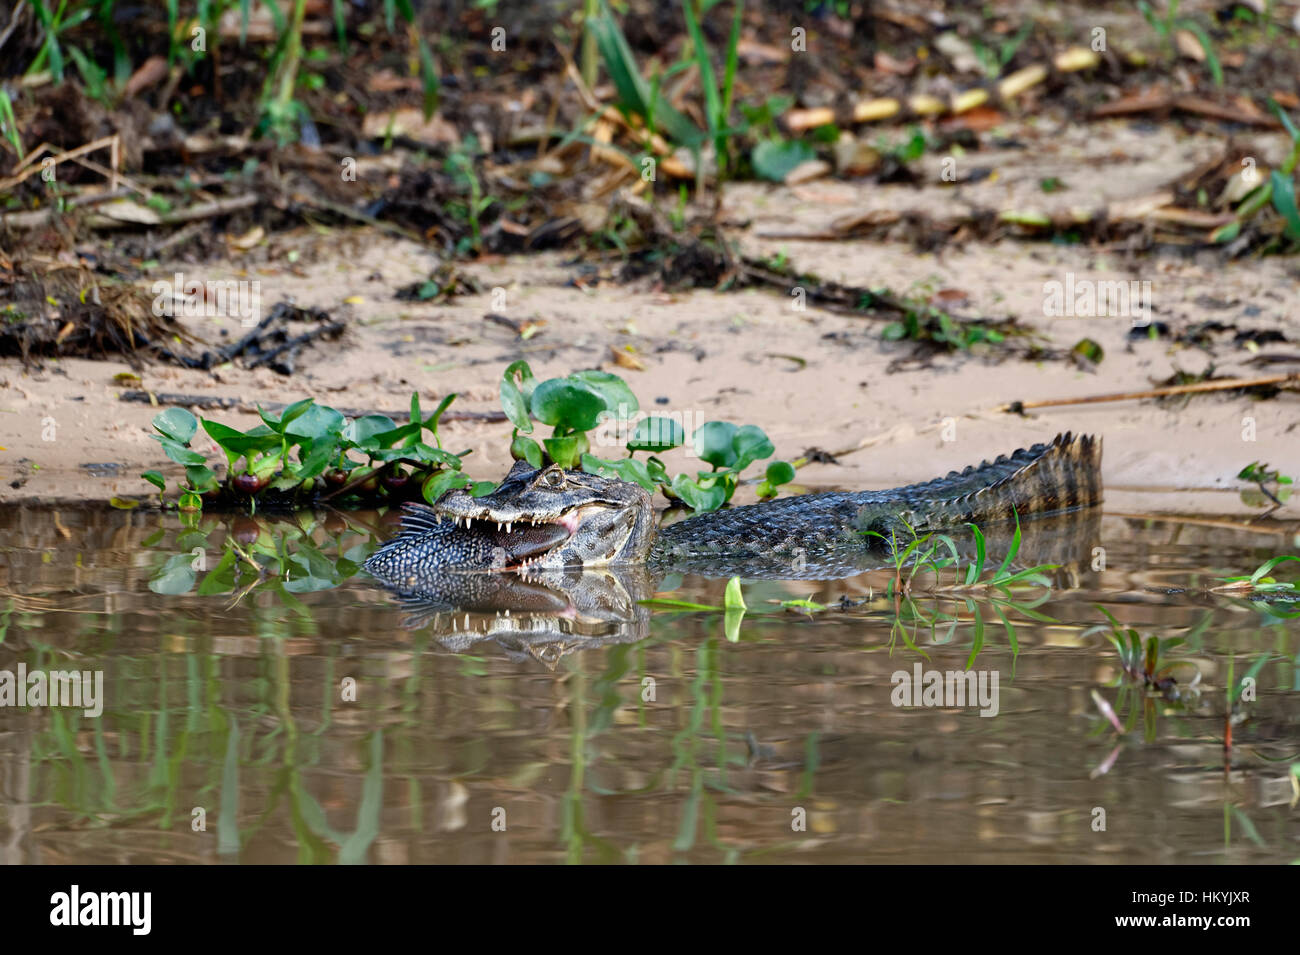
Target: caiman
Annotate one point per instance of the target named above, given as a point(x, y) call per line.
point(552, 519)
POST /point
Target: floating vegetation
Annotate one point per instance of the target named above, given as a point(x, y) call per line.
point(1260, 583)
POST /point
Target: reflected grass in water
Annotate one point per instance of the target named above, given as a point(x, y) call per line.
point(236, 706)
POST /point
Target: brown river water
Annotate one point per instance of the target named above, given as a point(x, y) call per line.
point(303, 716)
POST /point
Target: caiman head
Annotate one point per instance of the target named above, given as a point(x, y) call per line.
point(554, 518)
point(546, 518)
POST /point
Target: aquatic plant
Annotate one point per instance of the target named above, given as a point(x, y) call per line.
point(934, 552)
point(310, 452)
point(1260, 582)
point(1274, 486)
point(579, 403)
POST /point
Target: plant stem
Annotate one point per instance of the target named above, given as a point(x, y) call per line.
point(591, 10)
point(292, 54)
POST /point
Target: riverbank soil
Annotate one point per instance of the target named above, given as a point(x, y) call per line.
point(1099, 238)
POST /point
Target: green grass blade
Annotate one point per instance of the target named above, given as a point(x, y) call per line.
point(976, 569)
point(633, 91)
point(1268, 565)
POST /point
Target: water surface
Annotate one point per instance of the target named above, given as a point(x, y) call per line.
point(230, 730)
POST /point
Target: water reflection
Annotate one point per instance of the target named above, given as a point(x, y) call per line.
point(275, 706)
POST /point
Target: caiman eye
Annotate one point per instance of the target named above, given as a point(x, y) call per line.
point(554, 478)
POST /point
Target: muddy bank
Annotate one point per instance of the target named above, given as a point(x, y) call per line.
point(811, 378)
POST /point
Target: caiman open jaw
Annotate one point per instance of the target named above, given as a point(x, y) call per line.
point(556, 518)
point(526, 542)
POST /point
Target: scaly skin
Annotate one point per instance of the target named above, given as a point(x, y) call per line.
point(552, 519)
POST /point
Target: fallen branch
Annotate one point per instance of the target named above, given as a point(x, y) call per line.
point(29, 166)
point(142, 215)
point(1200, 387)
point(36, 218)
point(332, 330)
point(1243, 111)
point(204, 210)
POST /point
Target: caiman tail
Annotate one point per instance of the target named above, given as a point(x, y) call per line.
point(829, 535)
point(1062, 475)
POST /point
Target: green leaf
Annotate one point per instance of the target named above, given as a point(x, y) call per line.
point(774, 158)
point(523, 448)
point(656, 434)
point(1234, 692)
point(698, 497)
point(750, 443)
point(314, 422)
point(423, 453)
point(179, 452)
point(618, 397)
point(779, 472)
point(1284, 202)
point(156, 479)
point(440, 482)
point(236, 443)
point(732, 598)
point(316, 460)
point(363, 429)
point(712, 97)
point(731, 625)
point(1285, 120)
point(177, 424)
point(1088, 349)
point(430, 79)
point(201, 477)
point(394, 440)
point(1226, 232)
point(974, 571)
point(627, 469)
point(266, 465)
point(176, 576)
point(567, 451)
point(634, 94)
point(514, 397)
point(431, 422)
point(415, 420)
point(1267, 566)
point(658, 473)
point(568, 404)
point(713, 443)
point(221, 579)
